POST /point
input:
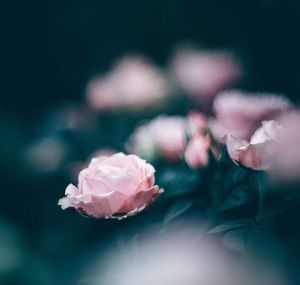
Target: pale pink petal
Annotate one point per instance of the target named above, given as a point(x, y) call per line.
point(141, 199)
point(104, 205)
point(251, 156)
point(269, 131)
point(72, 190)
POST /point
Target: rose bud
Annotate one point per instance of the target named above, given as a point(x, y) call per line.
point(197, 123)
point(114, 186)
point(252, 154)
point(240, 114)
point(197, 151)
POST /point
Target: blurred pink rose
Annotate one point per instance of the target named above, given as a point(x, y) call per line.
point(202, 74)
point(197, 151)
point(284, 155)
point(133, 83)
point(252, 154)
point(169, 136)
point(119, 184)
point(100, 94)
point(164, 136)
point(240, 114)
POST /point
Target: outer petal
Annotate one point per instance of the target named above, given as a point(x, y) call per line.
point(251, 156)
point(141, 199)
point(269, 131)
point(97, 206)
point(72, 190)
point(234, 144)
point(106, 205)
point(69, 201)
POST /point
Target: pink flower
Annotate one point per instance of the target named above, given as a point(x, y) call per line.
point(172, 138)
point(202, 74)
point(252, 154)
point(133, 83)
point(119, 185)
point(167, 136)
point(163, 136)
point(284, 153)
point(100, 94)
point(197, 150)
point(240, 114)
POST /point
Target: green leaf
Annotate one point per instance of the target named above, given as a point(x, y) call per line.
point(177, 209)
point(230, 225)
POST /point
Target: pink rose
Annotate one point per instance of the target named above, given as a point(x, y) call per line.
point(202, 74)
point(240, 114)
point(100, 94)
point(167, 136)
point(133, 83)
point(252, 154)
point(119, 185)
point(197, 151)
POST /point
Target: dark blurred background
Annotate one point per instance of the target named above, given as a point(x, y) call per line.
point(49, 50)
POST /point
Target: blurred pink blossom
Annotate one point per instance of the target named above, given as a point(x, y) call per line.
point(184, 255)
point(169, 136)
point(119, 185)
point(202, 73)
point(284, 155)
point(133, 83)
point(164, 136)
point(252, 154)
point(240, 114)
